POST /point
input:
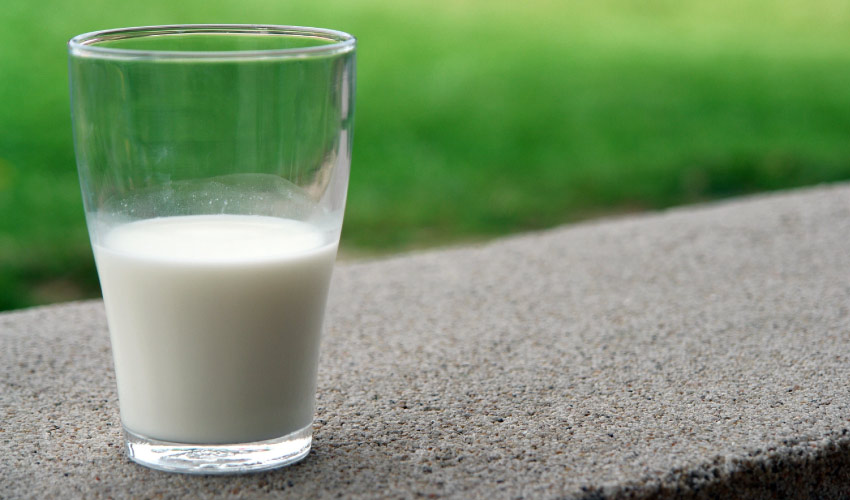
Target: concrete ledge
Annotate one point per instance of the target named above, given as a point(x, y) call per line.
point(696, 353)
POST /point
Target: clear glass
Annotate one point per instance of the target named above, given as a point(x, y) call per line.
point(214, 165)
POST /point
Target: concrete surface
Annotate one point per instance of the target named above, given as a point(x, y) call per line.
point(697, 353)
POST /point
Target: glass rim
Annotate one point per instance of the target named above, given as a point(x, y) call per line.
point(85, 45)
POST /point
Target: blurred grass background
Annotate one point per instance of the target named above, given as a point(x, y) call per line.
point(474, 117)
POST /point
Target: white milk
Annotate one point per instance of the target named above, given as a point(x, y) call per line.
point(215, 323)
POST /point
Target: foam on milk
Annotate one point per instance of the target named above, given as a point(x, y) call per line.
point(215, 323)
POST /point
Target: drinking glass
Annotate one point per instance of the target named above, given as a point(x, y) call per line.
point(214, 164)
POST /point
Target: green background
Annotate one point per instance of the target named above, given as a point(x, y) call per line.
point(475, 117)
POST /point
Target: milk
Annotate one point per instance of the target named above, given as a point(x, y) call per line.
point(215, 323)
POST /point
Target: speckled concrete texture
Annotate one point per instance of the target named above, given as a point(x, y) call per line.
point(697, 353)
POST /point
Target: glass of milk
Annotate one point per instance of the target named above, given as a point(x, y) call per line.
point(214, 163)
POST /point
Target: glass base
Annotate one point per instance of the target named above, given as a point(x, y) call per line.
point(218, 458)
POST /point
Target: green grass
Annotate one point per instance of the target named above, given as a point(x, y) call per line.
point(476, 118)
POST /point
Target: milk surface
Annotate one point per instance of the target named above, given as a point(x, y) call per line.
point(215, 323)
